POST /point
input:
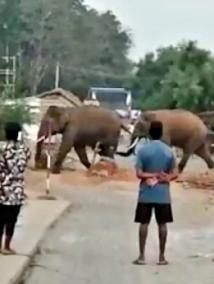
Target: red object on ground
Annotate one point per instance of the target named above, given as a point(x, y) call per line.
point(104, 168)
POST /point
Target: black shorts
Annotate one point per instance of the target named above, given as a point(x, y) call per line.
point(163, 213)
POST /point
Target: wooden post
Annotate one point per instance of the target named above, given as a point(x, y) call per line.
point(57, 75)
point(48, 196)
point(96, 151)
point(48, 153)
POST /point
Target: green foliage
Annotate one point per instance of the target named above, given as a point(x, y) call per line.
point(91, 47)
point(17, 112)
point(10, 25)
point(92, 50)
point(176, 77)
point(13, 110)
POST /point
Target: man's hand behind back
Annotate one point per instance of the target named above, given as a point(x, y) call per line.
point(164, 177)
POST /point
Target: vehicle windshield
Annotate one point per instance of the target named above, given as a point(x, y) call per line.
point(111, 99)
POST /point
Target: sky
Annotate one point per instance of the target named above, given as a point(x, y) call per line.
point(155, 23)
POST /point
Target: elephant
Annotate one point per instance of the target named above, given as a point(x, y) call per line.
point(181, 128)
point(80, 127)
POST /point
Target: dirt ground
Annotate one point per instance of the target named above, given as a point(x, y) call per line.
point(36, 180)
point(196, 176)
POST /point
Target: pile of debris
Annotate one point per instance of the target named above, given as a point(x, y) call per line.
point(104, 168)
point(203, 180)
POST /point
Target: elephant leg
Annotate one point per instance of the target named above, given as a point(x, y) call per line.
point(81, 152)
point(64, 149)
point(204, 153)
point(188, 151)
point(183, 162)
point(107, 150)
point(102, 151)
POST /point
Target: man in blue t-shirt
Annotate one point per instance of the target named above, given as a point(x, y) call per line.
point(155, 167)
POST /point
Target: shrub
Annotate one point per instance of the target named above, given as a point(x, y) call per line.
point(13, 110)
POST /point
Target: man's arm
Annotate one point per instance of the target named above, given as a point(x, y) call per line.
point(174, 175)
point(145, 175)
point(140, 166)
point(173, 172)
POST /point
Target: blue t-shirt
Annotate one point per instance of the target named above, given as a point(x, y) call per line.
point(155, 157)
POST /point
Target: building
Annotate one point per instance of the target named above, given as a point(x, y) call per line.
point(57, 97)
point(38, 106)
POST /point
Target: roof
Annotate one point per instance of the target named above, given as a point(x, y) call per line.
point(64, 93)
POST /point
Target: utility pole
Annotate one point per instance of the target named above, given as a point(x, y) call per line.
point(57, 75)
point(9, 71)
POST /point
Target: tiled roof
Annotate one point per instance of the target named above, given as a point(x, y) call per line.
point(64, 93)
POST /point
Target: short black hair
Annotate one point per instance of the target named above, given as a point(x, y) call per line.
point(156, 130)
point(12, 130)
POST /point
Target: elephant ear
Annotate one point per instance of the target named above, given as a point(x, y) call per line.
point(54, 112)
point(60, 115)
point(141, 128)
point(64, 117)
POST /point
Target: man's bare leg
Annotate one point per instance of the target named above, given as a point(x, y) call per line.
point(162, 242)
point(143, 232)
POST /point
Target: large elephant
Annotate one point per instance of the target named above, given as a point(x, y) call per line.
point(181, 129)
point(80, 127)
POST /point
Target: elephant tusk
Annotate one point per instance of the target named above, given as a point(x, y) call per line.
point(40, 139)
point(134, 143)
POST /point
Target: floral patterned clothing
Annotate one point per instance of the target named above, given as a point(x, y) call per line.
point(13, 161)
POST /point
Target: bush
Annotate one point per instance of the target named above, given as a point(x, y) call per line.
point(13, 110)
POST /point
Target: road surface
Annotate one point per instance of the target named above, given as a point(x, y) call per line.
point(96, 241)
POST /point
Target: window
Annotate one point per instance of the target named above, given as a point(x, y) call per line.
point(114, 99)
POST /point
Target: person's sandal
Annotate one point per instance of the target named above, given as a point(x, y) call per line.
point(163, 262)
point(8, 252)
point(139, 262)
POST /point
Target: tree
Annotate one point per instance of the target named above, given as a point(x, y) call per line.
point(13, 110)
point(90, 47)
point(176, 77)
point(10, 25)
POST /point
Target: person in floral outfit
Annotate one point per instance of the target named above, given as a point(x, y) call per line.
point(13, 161)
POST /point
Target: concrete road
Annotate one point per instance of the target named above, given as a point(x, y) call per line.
point(96, 241)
